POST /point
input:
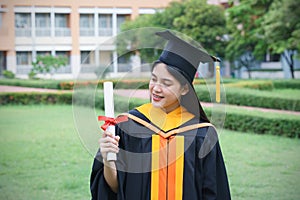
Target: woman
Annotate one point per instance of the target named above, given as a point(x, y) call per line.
point(167, 149)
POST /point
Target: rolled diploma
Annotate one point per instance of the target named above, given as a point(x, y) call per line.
point(109, 112)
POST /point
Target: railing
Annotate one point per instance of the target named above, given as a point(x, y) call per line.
point(62, 32)
point(23, 69)
point(43, 32)
point(86, 68)
point(63, 70)
point(124, 67)
point(23, 32)
point(87, 32)
point(105, 31)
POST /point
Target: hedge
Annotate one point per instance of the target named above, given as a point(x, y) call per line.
point(70, 84)
point(262, 125)
point(35, 98)
point(234, 95)
point(288, 127)
point(47, 84)
point(244, 97)
point(258, 85)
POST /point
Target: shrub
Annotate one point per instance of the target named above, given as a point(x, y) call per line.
point(8, 74)
point(262, 125)
point(239, 121)
point(35, 98)
point(258, 85)
point(248, 97)
point(287, 84)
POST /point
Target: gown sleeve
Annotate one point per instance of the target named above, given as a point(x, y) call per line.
point(98, 185)
point(100, 190)
point(215, 181)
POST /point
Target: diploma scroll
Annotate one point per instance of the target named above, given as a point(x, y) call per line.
point(109, 112)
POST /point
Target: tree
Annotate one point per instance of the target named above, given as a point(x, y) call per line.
point(282, 29)
point(136, 33)
point(47, 64)
point(204, 23)
point(244, 23)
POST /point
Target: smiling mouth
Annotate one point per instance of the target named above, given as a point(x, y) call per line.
point(156, 97)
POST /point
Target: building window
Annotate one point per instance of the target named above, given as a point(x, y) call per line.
point(43, 24)
point(62, 25)
point(87, 25)
point(3, 65)
point(88, 62)
point(43, 53)
point(24, 58)
point(85, 57)
point(67, 68)
point(105, 25)
point(23, 24)
point(120, 20)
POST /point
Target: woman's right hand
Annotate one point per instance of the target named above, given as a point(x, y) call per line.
point(108, 143)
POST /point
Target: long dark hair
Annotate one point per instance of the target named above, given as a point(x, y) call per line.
point(190, 100)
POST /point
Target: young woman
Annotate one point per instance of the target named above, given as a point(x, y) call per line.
point(167, 150)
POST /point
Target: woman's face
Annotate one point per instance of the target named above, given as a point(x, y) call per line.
point(165, 90)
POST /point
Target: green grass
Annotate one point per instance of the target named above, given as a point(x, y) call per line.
point(42, 157)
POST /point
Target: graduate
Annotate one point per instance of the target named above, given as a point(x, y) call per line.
point(167, 149)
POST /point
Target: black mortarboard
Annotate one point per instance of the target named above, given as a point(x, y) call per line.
point(183, 56)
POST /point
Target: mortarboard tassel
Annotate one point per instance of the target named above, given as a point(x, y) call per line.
point(218, 76)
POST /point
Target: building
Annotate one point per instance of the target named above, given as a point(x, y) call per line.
point(69, 28)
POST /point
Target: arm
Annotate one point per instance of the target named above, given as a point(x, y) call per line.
point(215, 183)
point(109, 143)
point(214, 176)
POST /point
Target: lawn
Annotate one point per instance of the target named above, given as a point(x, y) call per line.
point(43, 157)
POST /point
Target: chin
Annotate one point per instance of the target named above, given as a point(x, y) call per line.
point(156, 105)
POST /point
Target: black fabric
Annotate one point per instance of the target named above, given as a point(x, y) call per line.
point(204, 178)
point(182, 55)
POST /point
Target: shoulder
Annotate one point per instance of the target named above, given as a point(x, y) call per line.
point(203, 128)
point(138, 114)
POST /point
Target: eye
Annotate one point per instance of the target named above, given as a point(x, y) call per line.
point(153, 79)
point(167, 83)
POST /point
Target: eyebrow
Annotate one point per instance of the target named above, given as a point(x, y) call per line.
point(164, 79)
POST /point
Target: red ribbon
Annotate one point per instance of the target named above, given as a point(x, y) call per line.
point(109, 121)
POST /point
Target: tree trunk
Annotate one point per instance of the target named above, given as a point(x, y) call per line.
point(292, 65)
point(288, 55)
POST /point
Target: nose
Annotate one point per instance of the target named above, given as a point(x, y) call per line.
point(157, 87)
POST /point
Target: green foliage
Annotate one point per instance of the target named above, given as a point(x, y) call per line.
point(282, 29)
point(35, 98)
point(249, 97)
point(258, 84)
point(204, 23)
point(47, 84)
point(245, 26)
point(259, 123)
point(291, 84)
point(235, 120)
point(282, 25)
point(48, 63)
point(8, 74)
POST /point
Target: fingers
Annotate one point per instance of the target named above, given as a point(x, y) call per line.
point(108, 143)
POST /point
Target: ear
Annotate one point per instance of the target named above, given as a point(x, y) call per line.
point(184, 90)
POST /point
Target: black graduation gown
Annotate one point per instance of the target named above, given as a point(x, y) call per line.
point(204, 177)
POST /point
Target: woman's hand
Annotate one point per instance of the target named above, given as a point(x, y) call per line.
point(108, 143)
